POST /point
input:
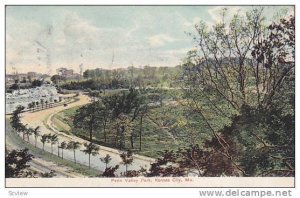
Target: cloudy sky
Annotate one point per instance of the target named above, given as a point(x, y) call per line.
point(43, 38)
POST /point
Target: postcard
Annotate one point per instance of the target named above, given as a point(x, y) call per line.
point(149, 96)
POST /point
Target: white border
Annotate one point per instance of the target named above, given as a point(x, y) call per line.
point(127, 192)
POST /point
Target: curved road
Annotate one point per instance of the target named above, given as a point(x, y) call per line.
point(43, 119)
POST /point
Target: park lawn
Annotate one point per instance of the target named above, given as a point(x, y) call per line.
point(155, 138)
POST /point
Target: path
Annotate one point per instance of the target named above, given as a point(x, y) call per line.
point(43, 119)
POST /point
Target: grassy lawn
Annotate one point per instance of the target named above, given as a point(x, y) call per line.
point(155, 138)
point(37, 152)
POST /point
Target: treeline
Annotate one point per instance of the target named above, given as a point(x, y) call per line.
point(17, 161)
point(115, 114)
point(99, 79)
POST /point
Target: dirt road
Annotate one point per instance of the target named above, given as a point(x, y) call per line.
point(43, 119)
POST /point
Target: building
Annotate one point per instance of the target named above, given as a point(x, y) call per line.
point(64, 72)
point(25, 96)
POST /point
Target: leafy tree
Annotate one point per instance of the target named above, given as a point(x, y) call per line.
point(24, 130)
point(27, 132)
point(36, 83)
point(37, 104)
point(36, 133)
point(90, 149)
point(53, 140)
point(122, 128)
point(16, 163)
point(30, 106)
point(143, 112)
point(110, 171)
point(15, 118)
point(125, 108)
point(33, 106)
point(63, 145)
point(106, 160)
point(42, 103)
point(73, 145)
point(241, 72)
point(44, 139)
point(57, 78)
point(87, 118)
point(127, 159)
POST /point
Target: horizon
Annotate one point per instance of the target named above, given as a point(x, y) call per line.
point(94, 68)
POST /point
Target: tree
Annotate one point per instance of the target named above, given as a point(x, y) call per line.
point(106, 160)
point(33, 106)
point(24, 130)
point(73, 145)
point(46, 102)
point(238, 74)
point(124, 108)
point(127, 159)
point(27, 132)
point(15, 118)
point(90, 149)
point(121, 129)
point(53, 140)
point(63, 145)
point(37, 104)
point(87, 118)
point(57, 78)
point(144, 110)
point(36, 83)
point(42, 103)
point(30, 106)
point(44, 139)
point(36, 133)
point(103, 115)
point(110, 171)
point(16, 163)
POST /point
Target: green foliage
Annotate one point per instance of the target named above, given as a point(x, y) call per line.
point(16, 163)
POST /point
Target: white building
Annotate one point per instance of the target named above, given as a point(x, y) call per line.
point(25, 96)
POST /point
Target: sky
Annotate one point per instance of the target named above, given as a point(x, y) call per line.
point(44, 38)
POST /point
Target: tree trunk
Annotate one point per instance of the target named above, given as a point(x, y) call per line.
point(122, 142)
point(131, 141)
point(104, 132)
point(51, 148)
point(89, 160)
point(35, 142)
point(91, 134)
point(43, 146)
point(62, 153)
point(74, 156)
point(141, 130)
point(58, 150)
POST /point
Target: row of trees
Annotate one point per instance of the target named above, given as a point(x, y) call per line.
point(90, 149)
point(99, 79)
point(115, 113)
point(41, 104)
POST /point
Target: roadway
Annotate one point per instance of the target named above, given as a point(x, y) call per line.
point(43, 119)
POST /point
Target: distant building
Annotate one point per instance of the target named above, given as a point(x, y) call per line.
point(64, 72)
point(32, 74)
